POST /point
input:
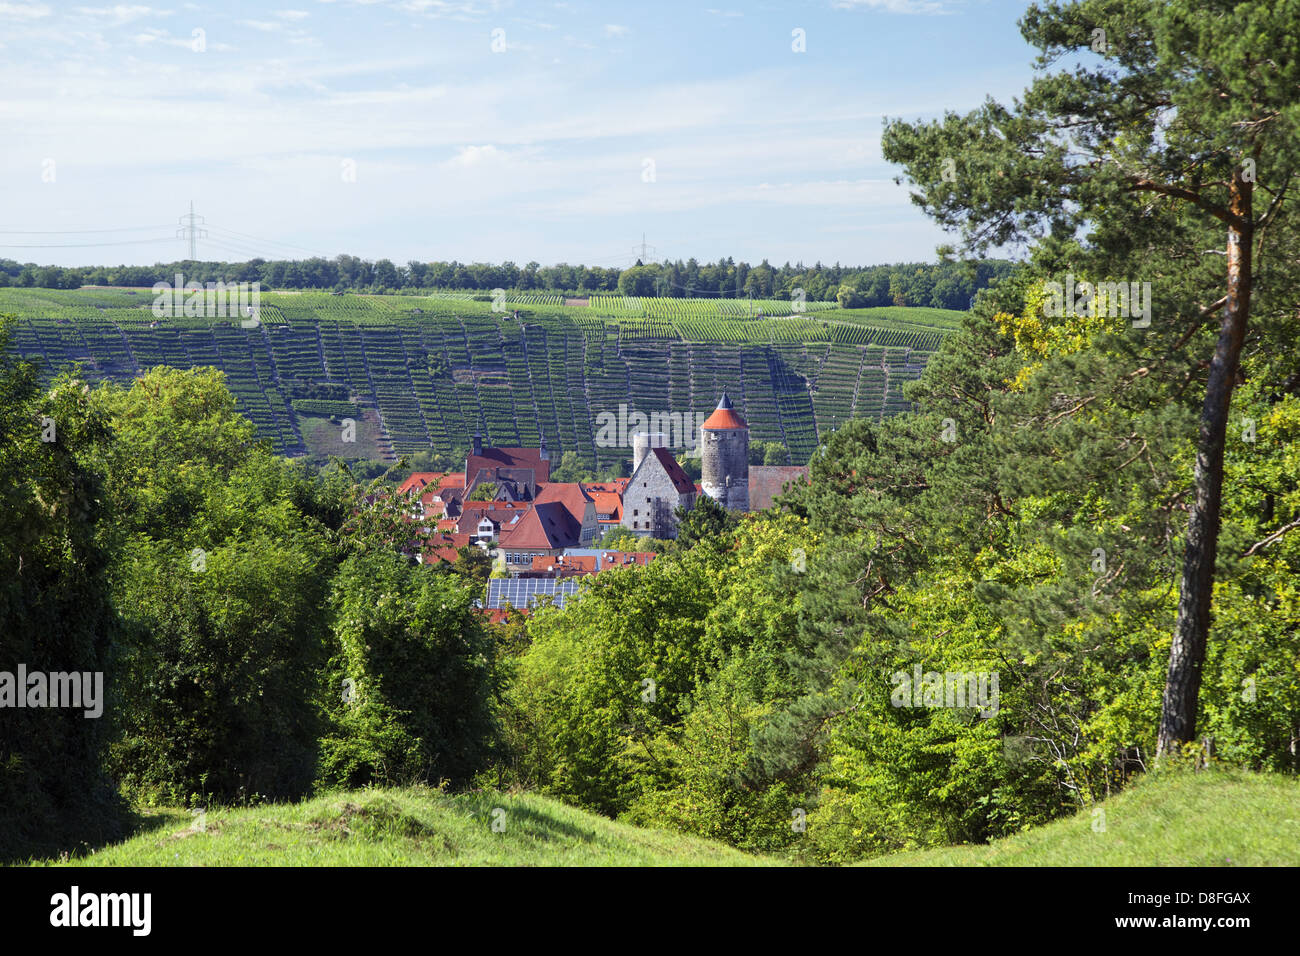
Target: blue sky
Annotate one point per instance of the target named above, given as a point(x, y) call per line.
point(479, 131)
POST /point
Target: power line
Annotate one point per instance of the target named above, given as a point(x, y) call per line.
point(238, 249)
point(273, 242)
point(76, 232)
point(83, 245)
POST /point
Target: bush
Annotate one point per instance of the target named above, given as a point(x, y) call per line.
point(225, 670)
point(55, 616)
point(417, 705)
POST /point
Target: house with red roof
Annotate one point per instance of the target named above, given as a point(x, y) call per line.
point(608, 498)
point(517, 472)
point(486, 519)
point(575, 500)
point(546, 529)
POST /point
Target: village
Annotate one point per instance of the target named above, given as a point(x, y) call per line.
point(545, 534)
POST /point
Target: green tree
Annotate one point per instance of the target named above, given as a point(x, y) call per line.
point(571, 468)
point(411, 682)
point(703, 520)
point(618, 538)
point(484, 491)
point(1186, 119)
point(638, 281)
point(221, 568)
point(55, 612)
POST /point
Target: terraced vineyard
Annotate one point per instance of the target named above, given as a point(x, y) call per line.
point(421, 372)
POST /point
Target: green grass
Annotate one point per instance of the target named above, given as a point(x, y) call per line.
point(1211, 818)
point(408, 827)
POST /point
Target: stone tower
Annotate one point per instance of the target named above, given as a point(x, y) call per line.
point(724, 448)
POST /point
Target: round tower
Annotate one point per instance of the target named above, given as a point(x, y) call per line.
point(724, 452)
point(642, 442)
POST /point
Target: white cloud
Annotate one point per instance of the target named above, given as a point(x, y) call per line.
point(472, 156)
point(122, 13)
point(292, 14)
point(616, 30)
point(153, 36)
point(24, 11)
point(897, 6)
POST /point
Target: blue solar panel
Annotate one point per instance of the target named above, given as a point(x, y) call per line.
point(521, 592)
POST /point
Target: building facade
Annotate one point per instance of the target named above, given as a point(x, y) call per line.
point(656, 489)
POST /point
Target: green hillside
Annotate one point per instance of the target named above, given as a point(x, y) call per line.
point(1216, 818)
point(421, 372)
point(415, 827)
point(1160, 821)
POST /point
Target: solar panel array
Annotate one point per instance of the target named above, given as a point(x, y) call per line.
point(521, 592)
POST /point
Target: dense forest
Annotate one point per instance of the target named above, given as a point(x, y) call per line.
point(945, 285)
point(1097, 512)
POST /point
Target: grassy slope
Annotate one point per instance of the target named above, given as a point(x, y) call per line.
point(1216, 818)
point(415, 826)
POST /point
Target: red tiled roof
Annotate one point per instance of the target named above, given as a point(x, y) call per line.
point(490, 459)
point(724, 416)
point(565, 564)
point(419, 480)
point(618, 559)
point(545, 527)
point(617, 485)
point(520, 506)
point(607, 503)
point(501, 512)
point(608, 498)
point(570, 494)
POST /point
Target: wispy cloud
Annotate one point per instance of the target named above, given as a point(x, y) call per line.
point(926, 7)
point(24, 11)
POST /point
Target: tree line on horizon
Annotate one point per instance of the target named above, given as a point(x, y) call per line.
point(948, 284)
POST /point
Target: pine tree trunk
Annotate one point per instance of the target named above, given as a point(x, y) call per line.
point(1191, 629)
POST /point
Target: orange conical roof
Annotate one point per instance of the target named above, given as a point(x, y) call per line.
point(724, 416)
